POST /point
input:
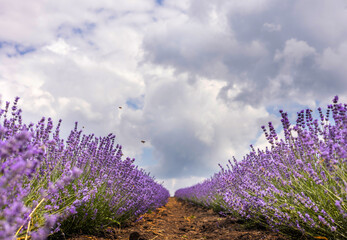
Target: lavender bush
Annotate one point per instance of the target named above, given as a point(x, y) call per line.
point(49, 185)
point(299, 184)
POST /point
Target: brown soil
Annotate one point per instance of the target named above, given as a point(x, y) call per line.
point(182, 220)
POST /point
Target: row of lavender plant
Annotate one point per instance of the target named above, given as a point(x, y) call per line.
point(48, 185)
point(299, 184)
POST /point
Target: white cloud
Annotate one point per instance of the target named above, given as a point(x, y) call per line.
point(334, 59)
point(325, 20)
point(272, 27)
point(78, 105)
point(190, 125)
point(60, 47)
point(205, 74)
point(294, 52)
point(179, 5)
point(172, 184)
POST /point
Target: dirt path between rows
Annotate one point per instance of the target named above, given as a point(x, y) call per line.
point(182, 220)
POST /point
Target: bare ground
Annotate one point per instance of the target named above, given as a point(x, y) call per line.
point(182, 220)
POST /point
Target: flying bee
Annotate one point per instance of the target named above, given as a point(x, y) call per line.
point(120, 107)
point(143, 141)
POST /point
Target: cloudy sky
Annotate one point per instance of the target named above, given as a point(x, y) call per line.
point(195, 78)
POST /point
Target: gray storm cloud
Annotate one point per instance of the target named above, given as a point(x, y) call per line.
point(257, 60)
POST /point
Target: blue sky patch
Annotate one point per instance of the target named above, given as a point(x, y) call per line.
point(22, 50)
point(159, 2)
point(19, 48)
point(86, 28)
point(146, 158)
point(67, 31)
point(135, 103)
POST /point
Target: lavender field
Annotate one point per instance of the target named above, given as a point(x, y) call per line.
point(298, 186)
point(52, 186)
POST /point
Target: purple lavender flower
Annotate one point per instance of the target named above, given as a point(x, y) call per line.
point(290, 183)
point(60, 181)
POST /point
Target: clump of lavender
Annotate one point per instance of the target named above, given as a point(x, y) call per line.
point(48, 185)
point(299, 183)
point(19, 159)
